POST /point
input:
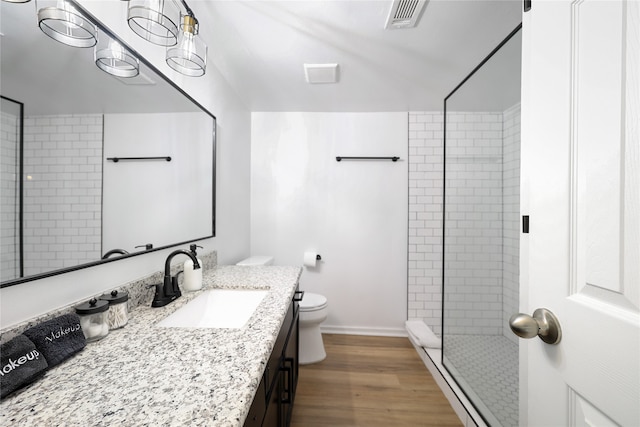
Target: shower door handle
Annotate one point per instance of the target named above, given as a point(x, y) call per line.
point(543, 324)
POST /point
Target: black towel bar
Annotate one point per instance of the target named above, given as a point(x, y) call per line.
point(393, 159)
point(117, 159)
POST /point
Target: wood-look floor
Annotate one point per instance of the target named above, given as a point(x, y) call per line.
point(369, 381)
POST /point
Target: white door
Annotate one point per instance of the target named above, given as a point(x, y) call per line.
point(581, 188)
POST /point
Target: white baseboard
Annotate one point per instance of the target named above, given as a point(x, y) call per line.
point(357, 330)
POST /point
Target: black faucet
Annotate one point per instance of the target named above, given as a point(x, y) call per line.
point(169, 291)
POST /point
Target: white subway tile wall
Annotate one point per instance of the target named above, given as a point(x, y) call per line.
point(425, 217)
point(482, 194)
point(62, 191)
point(511, 231)
point(473, 226)
point(9, 128)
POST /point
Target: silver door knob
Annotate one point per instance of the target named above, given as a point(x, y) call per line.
point(544, 324)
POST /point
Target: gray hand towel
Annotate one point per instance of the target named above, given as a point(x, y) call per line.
point(20, 364)
point(58, 339)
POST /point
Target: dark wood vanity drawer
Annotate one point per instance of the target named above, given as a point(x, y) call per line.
point(258, 407)
point(273, 403)
point(273, 365)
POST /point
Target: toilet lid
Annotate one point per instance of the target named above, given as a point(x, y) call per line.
point(311, 301)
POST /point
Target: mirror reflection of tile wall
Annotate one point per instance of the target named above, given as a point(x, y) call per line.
point(62, 191)
point(9, 263)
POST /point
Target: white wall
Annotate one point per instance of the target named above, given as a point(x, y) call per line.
point(21, 302)
point(354, 213)
point(185, 182)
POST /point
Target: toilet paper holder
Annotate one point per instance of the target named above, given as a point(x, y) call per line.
point(311, 259)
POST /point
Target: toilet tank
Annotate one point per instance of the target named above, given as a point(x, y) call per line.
point(257, 260)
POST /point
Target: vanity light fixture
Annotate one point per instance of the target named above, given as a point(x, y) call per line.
point(189, 56)
point(62, 22)
point(17, 1)
point(114, 59)
point(155, 20)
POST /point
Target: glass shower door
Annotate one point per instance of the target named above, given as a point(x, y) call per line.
point(481, 233)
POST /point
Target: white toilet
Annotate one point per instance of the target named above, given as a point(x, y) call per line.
point(313, 311)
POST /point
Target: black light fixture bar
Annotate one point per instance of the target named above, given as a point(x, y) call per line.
point(187, 8)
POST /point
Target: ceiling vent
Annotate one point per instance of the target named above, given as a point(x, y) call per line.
point(404, 14)
point(321, 73)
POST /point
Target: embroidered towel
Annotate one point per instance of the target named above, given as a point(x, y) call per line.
point(58, 339)
point(21, 364)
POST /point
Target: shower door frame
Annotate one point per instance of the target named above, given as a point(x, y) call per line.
point(19, 179)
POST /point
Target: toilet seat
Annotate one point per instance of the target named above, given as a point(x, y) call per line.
point(312, 302)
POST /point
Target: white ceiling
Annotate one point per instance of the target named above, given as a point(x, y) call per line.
point(52, 78)
point(260, 48)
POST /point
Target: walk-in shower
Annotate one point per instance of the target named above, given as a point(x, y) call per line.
point(481, 233)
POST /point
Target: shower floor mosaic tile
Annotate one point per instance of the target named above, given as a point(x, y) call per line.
point(487, 369)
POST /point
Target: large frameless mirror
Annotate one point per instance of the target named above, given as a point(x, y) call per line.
point(102, 157)
point(482, 233)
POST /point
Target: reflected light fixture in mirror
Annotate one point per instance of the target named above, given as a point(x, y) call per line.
point(155, 20)
point(62, 22)
point(114, 59)
point(71, 84)
point(189, 56)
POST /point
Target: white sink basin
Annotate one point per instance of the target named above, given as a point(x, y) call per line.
point(217, 308)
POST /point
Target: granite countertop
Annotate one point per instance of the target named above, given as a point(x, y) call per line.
point(143, 375)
